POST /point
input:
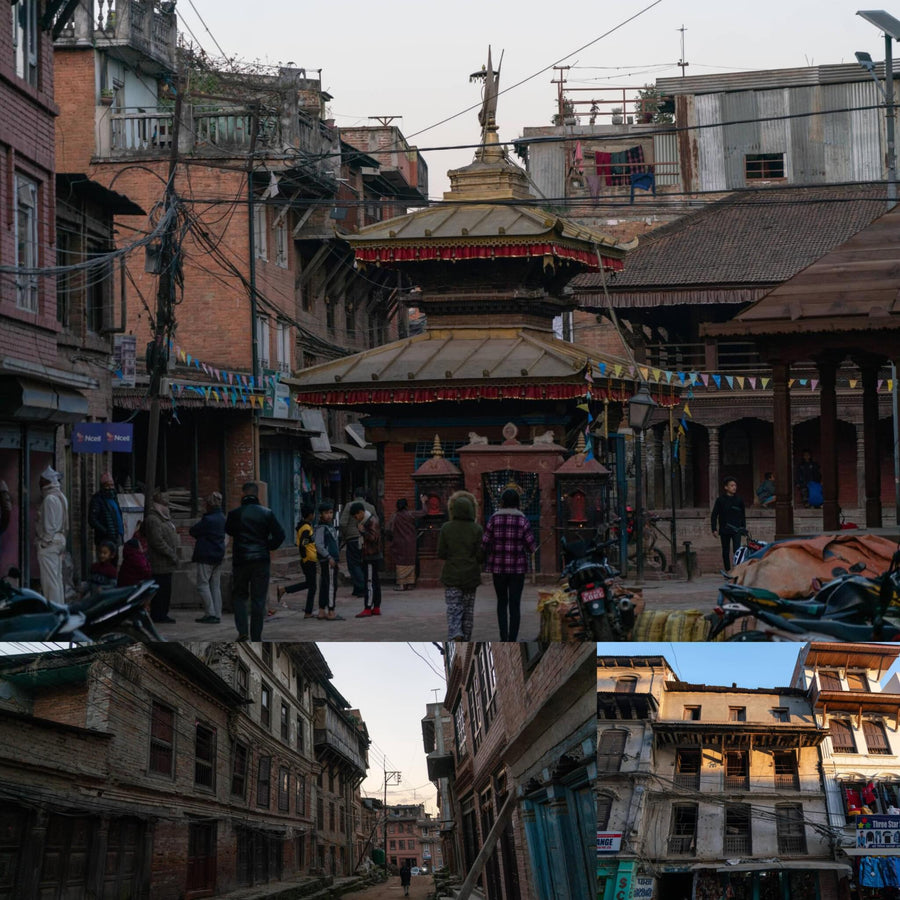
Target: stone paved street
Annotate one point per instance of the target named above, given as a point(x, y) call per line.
point(419, 888)
point(417, 615)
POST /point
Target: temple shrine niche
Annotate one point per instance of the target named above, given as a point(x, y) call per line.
point(489, 373)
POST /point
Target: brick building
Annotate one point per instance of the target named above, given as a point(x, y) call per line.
point(55, 334)
point(169, 770)
point(524, 764)
point(437, 739)
point(263, 178)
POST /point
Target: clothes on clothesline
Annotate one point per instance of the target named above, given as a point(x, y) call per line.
point(617, 168)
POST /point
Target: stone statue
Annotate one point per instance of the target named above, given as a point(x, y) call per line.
point(477, 438)
point(546, 438)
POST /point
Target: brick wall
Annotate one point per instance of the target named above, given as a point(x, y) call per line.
point(75, 95)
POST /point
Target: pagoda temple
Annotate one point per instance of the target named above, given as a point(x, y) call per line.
point(489, 375)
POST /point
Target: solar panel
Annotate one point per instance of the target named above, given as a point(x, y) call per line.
point(882, 20)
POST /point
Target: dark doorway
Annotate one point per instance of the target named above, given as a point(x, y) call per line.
point(201, 869)
point(677, 886)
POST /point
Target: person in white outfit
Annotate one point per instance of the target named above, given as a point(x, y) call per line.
point(52, 528)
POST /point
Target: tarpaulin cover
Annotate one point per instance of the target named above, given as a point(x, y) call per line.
point(788, 568)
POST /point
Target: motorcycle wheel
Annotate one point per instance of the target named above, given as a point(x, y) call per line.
point(602, 630)
point(658, 558)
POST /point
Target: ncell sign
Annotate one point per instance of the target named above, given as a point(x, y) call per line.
point(102, 437)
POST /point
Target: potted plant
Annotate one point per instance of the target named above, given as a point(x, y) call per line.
point(106, 97)
point(616, 115)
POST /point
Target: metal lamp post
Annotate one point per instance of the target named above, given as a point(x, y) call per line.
point(890, 27)
point(640, 409)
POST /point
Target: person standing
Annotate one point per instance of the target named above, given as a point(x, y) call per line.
point(508, 542)
point(405, 877)
point(727, 519)
point(370, 548)
point(350, 540)
point(255, 532)
point(459, 545)
point(209, 552)
point(402, 532)
point(328, 551)
point(306, 543)
point(162, 550)
point(105, 514)
point(808, 472)
point(52, 529)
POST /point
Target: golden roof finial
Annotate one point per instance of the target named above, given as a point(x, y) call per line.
point(580, 445)
point(437, 449)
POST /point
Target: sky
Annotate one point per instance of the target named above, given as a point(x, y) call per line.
point(391, 684)
point(747, 665)
point(413, 60)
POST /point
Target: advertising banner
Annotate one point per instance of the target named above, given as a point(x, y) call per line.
point(878, 831)
point(102, 437)
point(609, 841)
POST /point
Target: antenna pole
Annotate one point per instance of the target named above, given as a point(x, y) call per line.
point(560, 101)
point(681, 62)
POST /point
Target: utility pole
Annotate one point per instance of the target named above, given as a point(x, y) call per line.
point(393, 778)
point(682, 64)
point(158, 349)
point(560, 97)
point(251, 232)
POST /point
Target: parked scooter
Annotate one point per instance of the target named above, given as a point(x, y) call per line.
point(110, 614)
point(605, 609)
point(850, 607)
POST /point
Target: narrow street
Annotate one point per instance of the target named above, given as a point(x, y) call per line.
point(420, 887)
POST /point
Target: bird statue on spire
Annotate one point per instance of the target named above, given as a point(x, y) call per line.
point(487, 117)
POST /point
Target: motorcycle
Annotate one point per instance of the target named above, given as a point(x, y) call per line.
point(113, 614)
point(749, 546)
point(604, 608)
point(850, 607)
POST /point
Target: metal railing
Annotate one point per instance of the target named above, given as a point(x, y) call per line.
point(737, 782)
point(792, 844)
point(787, 782)
point(681, 844)
point(737, 844)
point(689, 780)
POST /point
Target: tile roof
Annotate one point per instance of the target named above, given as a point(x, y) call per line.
point(758, 237)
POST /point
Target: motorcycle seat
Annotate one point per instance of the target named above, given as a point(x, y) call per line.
point(738, 592)
point(29, 627)
point(108, 598)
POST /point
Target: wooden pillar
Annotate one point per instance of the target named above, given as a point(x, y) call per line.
point(784, 476)
point(828, 443)
point(714, 486)
point(860, 466)
point(869, 373)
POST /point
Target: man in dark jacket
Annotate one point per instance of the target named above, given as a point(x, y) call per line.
point(105, 514)
point(369, 538)
point(209, 551)
point(255, 532)
point(349, 528)
point(728, 517)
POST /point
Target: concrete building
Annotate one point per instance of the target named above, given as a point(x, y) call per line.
point(173, 771)
point(437, 738)
point(524, 760)
point(859, 755)
point(710, 789)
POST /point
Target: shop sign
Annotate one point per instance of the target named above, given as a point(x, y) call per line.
point(878, 831)
point(643, 888)
point(125, 356)
point(608, 841)
point(103, 437)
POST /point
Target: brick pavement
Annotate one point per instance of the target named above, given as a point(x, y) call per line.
point(417, 615)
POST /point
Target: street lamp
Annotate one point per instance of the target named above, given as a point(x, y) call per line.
point(890, 27)
point(640, 409)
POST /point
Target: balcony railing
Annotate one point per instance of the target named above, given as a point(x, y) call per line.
point(787, 782)
point(688, 780)
point(792, 844)
point(681, 844)
point(137, 130)
point(737, 844)
point(737, 782)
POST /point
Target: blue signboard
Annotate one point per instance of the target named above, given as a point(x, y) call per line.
point(100, 437)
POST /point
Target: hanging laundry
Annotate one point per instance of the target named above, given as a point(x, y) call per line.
point(579, 158)
point(868, 794)
point(603, 161)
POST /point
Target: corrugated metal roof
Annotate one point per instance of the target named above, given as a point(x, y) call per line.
point(765, 79)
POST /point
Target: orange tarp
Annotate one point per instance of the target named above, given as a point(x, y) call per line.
point(788, 568)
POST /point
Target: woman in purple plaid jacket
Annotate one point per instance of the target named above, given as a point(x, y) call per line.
point(508, 541)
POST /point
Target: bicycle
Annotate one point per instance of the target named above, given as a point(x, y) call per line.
point(651, 553)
